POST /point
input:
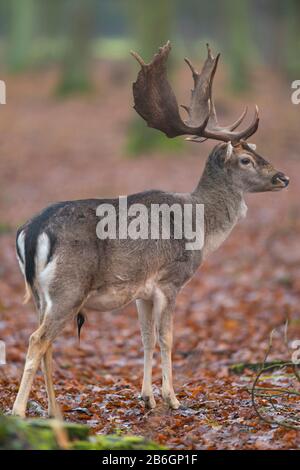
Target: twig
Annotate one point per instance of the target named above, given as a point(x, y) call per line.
point(269, 397)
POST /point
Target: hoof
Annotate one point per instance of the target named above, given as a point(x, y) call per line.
point(19, 413)
point(54, 415)
point(149, 402)
point(172, 402)
point(175, 405)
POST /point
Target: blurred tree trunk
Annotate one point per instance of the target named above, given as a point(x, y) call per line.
point(152, 23)
point(291, 45)
point(20, 35)
point(240, 48)
point(51, 20)
point(75, 69)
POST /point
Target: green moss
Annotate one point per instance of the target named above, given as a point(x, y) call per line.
point(19, 434)
point(112, 442)
point(38, 434)
point(74, 430)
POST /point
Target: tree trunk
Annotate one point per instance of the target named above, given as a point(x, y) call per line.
point(76, 66)
point(21, 28)
point(237, 20)
point(152, 24)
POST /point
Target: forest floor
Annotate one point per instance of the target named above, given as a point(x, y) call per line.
point(56, 150)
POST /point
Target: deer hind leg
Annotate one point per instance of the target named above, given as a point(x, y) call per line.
point(47, 366)
point(146, 317)
point(38, 344)
point(40, 341)
point(164, 320)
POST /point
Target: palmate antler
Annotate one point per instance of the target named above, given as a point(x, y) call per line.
point(155, 101)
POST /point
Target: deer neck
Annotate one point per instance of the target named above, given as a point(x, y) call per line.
point(224, 205)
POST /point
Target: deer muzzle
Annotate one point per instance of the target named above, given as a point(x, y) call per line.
point(280, 180)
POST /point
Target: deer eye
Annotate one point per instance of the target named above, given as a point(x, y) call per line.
point(245, 161)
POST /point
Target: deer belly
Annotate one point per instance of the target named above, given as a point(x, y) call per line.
point(109, 299)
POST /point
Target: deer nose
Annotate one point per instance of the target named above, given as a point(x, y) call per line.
point(281, 177)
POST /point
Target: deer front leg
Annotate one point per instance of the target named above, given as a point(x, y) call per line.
point(146, 317)
point(164, 315)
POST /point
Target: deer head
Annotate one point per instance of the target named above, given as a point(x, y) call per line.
point(241, 168)
point(155, 102)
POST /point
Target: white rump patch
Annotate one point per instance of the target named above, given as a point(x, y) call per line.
point(21, 247)
point(45, 272)
point(42, 252)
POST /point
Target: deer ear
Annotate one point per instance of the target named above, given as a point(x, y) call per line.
point(252, 146)
point(228, 151)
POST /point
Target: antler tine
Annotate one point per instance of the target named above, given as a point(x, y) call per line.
point(138, 58)
point(230, 128)
point(234, 137)
point(203, 91)
point(228, 136)
point(209, 53)
point(239, 120)
point(209, 57)
point(201, 104)
point(194, 72)
point(203, 83)
point(243, 135)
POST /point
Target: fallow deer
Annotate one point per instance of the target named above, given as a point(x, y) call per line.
point(67, 267)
